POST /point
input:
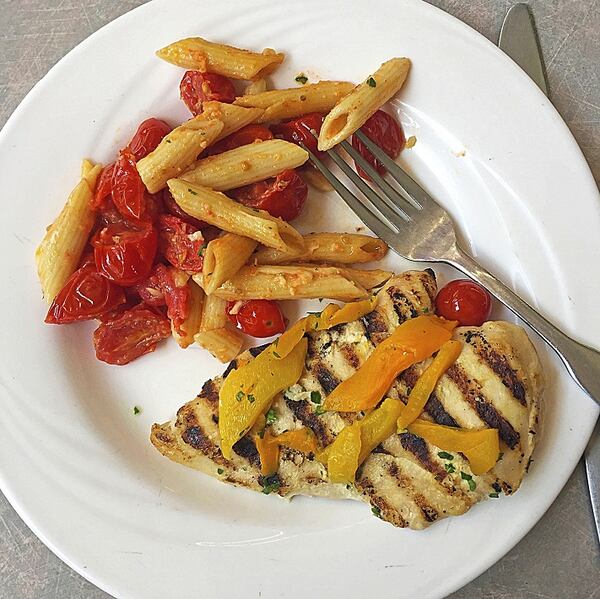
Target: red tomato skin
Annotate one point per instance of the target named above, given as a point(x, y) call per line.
point(128, 189)
point(197, 87)
point(85, 295)
point(386, 132)
point(147, 137)
point(125, 255)
point(465, 301)
point(258, 318)
point(302, 130)
point(246, 135)
point(176, 245)
point(172, 207)
point(176, 294)
point(132, 334)
point(102, 194)
point(150, 290)
point(282, 197)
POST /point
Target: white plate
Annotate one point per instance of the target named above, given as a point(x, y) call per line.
point(75, 462)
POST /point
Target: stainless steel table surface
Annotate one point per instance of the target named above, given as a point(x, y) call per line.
point(560, 557)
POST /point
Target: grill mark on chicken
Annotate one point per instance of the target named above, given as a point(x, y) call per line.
point(429, 513)
point(417, 447)
point(403, 306)
point(486, 411)
point(375, 326)
point(326, 378)
point(210, 392)
point(387, 512)
point(246, 448)
point(303, 412)
point(434, 406)
point(499, 364)
point(230, 368)
point(351, 356)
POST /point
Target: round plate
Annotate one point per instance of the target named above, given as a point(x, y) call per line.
point(74, 460)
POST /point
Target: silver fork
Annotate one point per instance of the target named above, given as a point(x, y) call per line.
point(415, 226)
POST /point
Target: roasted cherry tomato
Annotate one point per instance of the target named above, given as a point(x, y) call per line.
point(172, 207)
point(385, 131)
point(150, 290)
point(147, 137)
point(125, 254)
point(173, 283)
point(128, 189)
point(102, 194)
point(180, 243)
point(304, 130)
point(465, 301)
point(259, 318)
point(86, 294)
point(282, 196)
point(246, 135)
point(196, 88)
point(132, 334)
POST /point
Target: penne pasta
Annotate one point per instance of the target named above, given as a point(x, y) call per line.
point(289, 282)
point(368, 278)
point(296, 101)
point(233, 117)
point(223, 257)
point(201, 55)
point(191, 325)
point(341, 248)
point(60, 251)
point(256, 87)
point(247, 164)
point(213, 312)
point(217, 209)
point(178, 150)
point(362, 102)
point(224, 344)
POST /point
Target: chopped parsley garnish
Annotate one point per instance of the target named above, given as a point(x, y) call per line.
point(371, 82)
point(445, 455)
point(301, 78)
point(271, 416)
point(239, 395)
point(168, 141)
point(315, 397)
point(494, 495)
point(449, 468)
point(469, 479)
point(320, 410)
point(192, 192)
point(136, 410)
point(202, 249)
point(270, 484)
point(220, 470)
point(376, 511)
point(425, 310)
point(251, 398)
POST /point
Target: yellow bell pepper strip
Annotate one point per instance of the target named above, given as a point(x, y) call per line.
point(302, 439)
point(331, 315)
point(413, 341)
point(480, 447)
point(426, 383)
point(378, 425)
point(342, 458)
point(268, 452)
point(268, 446)
point(248, 391)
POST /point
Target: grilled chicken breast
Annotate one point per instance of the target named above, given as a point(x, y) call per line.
point(496, 382)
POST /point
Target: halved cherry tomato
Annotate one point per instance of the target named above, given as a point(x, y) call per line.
point(173, 283)
point(386, 132)
point(304, 130)
point(86, 295)
point(259, 318)
point(172, 207)
point(465, 301)
point(128, 189)
point(125, 254)
point(102, 193)
point(283, 196)
point(132, 334)
point(197, 87)
point(246, 135)
point(180, 243)
point(150, 290)
point(147, 137)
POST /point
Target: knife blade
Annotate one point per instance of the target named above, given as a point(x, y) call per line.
point(518, 39)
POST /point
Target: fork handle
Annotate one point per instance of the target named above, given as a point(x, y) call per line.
point(581, 361)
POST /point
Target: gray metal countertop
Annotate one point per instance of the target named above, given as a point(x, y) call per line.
point(560, 557)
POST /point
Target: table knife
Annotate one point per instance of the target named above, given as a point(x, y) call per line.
point(518, 39)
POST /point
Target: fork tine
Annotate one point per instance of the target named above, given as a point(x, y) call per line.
point(409, 186)
point(373, 221)
point(389, 192)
